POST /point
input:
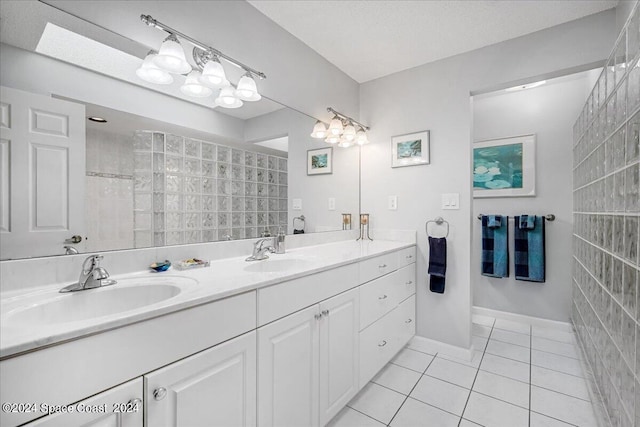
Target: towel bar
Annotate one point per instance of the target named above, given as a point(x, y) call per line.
point(549, 217)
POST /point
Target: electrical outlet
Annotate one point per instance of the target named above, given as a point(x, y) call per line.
point(296, 204)
point(393, 203)
point(332, 203)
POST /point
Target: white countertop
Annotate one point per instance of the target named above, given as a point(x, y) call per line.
point(224, 278)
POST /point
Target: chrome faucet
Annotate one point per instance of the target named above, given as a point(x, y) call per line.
point(91, 276)
point(260, 249)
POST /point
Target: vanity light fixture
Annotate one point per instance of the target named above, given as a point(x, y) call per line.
point(341, 130)
point(150, 72)
point(207, 74)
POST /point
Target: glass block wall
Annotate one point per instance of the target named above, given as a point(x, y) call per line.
point(606, 275)
point(191, 191)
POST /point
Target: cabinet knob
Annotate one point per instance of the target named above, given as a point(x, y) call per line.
point(382, 266)
point(134, 404)
point(159, 393)
point(409, 282)
point(382, 344)
point(325, 312)
point(383, 297)
point(318, 316)
point(408, 321)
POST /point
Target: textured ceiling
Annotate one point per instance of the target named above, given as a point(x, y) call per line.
point(371, 39)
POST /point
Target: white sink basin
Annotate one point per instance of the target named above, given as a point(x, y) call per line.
point(126, 295)
point(277, 265)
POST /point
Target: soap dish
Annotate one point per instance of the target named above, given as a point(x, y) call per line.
point(161, 266)
point(188, 264)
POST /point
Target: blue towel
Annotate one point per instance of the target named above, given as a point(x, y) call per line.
point(529, 249)
point(527, 222)
point(437, 263)
point(495, 246)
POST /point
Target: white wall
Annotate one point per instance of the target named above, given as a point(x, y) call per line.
point(549, 112)
point(436, 97)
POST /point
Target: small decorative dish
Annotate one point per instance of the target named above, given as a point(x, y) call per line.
point(160, 266)
point(188, 264)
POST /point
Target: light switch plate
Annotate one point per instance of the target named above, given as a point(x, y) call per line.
point(332, 203)
point(296, 204)
point(451, 201)
point(393, 203)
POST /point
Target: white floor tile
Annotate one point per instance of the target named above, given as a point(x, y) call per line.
point(351, 418)
point(452, 372)
point(377, 402)
point(397, 378)
point(479, 319)
point(516, 338)
point(553, 334)
point(441, 394)
point(416, 413)
point(487, 411)
point(539, 420)
point(506, 367)
point(480, 330)
point(510, 351)
point(474, 362)
point(562, 407)
point(502, 388)
point(479, 343)
point(467, 423)
point(555, 347)
point(422, 346)
point(560, 382)
point(412, 359)
point(509, 325)
point(556, 362)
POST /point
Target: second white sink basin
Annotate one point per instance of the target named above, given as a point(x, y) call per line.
point(126, 295)
point(277, 265)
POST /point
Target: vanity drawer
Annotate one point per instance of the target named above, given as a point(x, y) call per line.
point(406, 256)
point(406, 314)
point(382, 295)
point(285, 298)
point(378, 266)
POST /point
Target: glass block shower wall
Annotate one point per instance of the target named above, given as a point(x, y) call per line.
point(191, 191)
point(606, 273)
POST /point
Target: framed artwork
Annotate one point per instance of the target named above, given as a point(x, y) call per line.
point(410, 150)
point(505, 167)
point(320, 161)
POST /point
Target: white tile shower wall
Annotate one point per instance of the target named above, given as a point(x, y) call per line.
point(606, 272)
point(191, 191)
point(109, 196)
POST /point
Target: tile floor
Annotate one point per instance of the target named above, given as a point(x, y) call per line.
point(521, 375)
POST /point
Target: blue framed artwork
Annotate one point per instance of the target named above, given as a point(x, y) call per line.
point(410, 150)
point(320, 161)
point(505, 167)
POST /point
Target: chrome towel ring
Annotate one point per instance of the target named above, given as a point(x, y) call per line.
point(439, 221)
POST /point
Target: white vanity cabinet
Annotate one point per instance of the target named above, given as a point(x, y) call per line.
point(307, 364)
point(120, 406)
point(213, 388)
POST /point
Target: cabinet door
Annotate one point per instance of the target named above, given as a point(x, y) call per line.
point(118, 407)
point(339, 354)
point(288, 370)
point(216, 387)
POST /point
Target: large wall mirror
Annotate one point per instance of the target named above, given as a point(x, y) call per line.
point(161, 170)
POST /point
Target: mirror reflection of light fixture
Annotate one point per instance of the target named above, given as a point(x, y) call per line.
point(193, 87)
point(208, 74)
point(341, 131)
point(171, 56)
point(150, 72)
point(227, 98)
point(319, 130)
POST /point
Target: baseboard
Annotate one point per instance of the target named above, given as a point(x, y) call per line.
point(535, 321)
point(430, 346)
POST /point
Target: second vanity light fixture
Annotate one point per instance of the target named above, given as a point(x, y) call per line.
point(201, 82)
point(341, 131)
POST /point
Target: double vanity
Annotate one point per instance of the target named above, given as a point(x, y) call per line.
point(286, 341)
